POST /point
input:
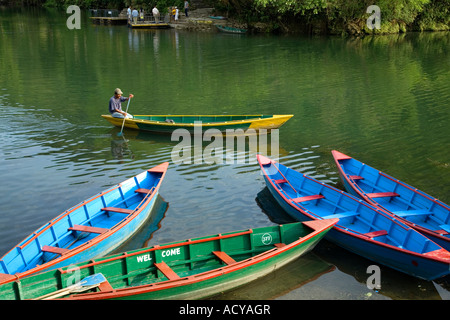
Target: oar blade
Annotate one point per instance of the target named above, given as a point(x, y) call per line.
point(92, 280)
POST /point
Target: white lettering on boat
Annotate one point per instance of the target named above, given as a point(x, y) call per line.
point(266, 238)
point(171, 252)
point(145, 257)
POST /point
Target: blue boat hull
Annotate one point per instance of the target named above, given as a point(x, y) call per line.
point(418, 265)
point(114, 241)
point(89, 230)
point(410, 205)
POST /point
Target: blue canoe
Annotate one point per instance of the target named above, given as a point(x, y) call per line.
point(417, 209)
point(362, 228)
point(88, 230)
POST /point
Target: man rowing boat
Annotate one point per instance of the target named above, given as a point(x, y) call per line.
point(115, 105)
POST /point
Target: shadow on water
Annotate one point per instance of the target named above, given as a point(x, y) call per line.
point(152, 224)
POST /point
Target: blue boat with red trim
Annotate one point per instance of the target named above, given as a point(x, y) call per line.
point(362, 228)
point(415, 208)
point(91, 229)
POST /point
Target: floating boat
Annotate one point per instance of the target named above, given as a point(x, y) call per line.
point(169, 123)
point(419, 210)
point(362, 228)
point(88, 230)
point(148, 25)
point(218, 17)
point(189, 269)
point(230, 29)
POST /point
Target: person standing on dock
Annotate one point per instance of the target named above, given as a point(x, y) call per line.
point(135, 14)
point(155, 12)
point(129, 14)
point(176, 14)
point(115, 105)
point(186, 8)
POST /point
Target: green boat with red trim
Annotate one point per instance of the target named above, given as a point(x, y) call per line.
point(200, 123)
point(189, 269)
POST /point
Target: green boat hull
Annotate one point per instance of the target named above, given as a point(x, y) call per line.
point(200, 123)
point(189, 269)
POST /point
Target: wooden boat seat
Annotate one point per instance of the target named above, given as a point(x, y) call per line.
point(120, 210)
point(279, 245)
point(308, 198)
point(377, 233)
point(408, 213)
point(356, 177)
point(280, 181)
point(88, 229)
point(224, 257)
point(56, 250)
point(142, 190)
point(445, 227)
point(382, 194)
point(167, 271)
point(342, 215)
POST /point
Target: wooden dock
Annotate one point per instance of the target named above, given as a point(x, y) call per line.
point(149, 25)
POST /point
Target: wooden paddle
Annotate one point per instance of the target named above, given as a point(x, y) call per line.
point(124, 117)
point(85, 284)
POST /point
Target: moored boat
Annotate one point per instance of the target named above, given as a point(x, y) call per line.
point(148, 25)
point(419, 210)
point(227, 29)
point(362, 228)
point(189, 269)
point(192, 123)
point(88, 230)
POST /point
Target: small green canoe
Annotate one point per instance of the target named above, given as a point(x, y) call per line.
point(189, 269)
point(200, 123)
point(231, 29)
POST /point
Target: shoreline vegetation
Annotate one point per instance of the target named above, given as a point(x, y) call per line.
point(313, 17)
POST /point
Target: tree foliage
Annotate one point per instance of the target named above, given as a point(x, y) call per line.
point(339, 16)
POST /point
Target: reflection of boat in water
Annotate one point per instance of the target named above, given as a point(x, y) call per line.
point(281, 282)
point(144, 235)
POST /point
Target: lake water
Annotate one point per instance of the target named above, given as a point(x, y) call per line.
point(382, 100)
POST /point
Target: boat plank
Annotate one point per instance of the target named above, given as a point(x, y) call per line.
point(382, 194)
point(167, 271)
point(308, 198)
point(56, 250)
point(89, 229)
point(120, 210)
point(224, 257)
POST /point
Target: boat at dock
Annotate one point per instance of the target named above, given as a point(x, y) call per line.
point(188, 269)
point(88, 230)
point(148, 25)
point(362, 228)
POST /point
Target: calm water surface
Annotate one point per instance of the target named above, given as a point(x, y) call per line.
point(383, 100)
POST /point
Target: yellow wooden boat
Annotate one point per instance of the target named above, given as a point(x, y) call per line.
point(201, 123)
